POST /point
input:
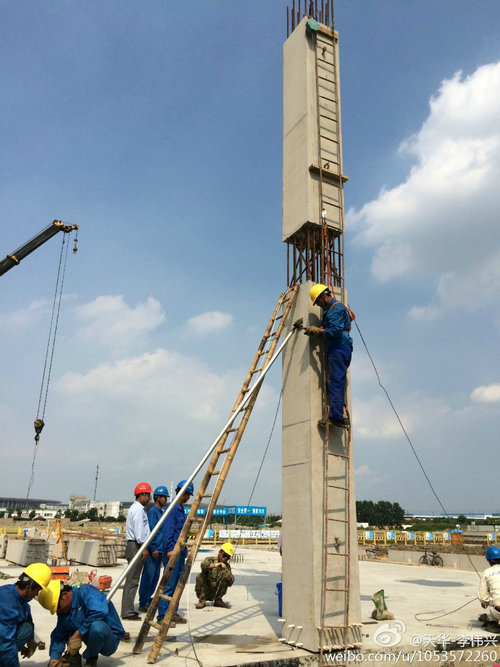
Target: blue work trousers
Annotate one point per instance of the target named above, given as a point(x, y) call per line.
point(171, 586)
point(149, 579)
point(99, 639)
point(338, 359)
point(25, 633)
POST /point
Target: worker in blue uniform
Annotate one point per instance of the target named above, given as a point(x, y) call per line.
point(171, 531)
point(83, 616)
point(17, 630)
point(152, 566)
point(335, 328)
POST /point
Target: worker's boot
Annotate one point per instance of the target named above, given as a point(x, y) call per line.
point(219, 602)
point(72, 660)
point(177, 618)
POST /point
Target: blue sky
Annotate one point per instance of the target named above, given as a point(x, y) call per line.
point(156, 127)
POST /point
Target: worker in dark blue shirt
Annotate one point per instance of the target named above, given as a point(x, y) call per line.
point(83, 616)
point(335, 328)
point(152, 566)
point(171, 531)
point(17, 630)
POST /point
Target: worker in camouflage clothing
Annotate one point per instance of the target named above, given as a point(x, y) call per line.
point(215, 578)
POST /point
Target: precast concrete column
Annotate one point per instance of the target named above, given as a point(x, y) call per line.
point(319, 553)
point(321, 598)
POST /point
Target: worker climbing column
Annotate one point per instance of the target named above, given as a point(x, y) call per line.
point(321, 599)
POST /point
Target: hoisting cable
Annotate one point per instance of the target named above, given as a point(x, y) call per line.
point(408, 437)
point(267, 447)
point(49, 356)
point(399, 420)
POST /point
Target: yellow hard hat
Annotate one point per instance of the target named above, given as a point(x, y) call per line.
point(228, 548)
point(40, 573)
point(49, 599)
point(316, 290)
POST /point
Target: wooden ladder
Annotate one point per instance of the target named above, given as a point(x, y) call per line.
point(216, 471)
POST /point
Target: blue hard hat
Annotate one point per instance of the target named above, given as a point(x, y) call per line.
point(161, 491)
point(492, 553)
point(189, 487)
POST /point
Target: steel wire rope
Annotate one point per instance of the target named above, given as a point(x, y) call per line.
point(407, 436)
point(399, 419)
point(51, 341)
point(446, 613)
point(267, 447)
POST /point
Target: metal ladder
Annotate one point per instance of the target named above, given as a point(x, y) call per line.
point(335, 633)
point(217, 470)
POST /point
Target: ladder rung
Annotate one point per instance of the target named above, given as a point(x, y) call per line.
point(340, 520)
point(166, 597)
point(231, 430)
point(257, 370)
point(343, 590)
point(215, 472)
point(154, 624)
point(340, 456)
point(207, 495)
point(334, 553)
point(225, 451)
point(343, 488)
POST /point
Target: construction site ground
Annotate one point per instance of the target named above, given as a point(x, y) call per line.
point(431, 606)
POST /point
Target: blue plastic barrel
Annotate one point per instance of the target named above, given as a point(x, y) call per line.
point(279, 589)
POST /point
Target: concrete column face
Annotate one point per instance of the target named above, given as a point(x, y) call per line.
point(319, 526)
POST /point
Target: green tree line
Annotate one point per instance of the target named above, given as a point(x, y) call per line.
point(381, 514)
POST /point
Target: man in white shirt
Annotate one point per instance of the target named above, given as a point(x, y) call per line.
point(136, 532)
point(489, 587)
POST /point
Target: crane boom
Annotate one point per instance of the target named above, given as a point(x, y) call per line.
point(34, 243)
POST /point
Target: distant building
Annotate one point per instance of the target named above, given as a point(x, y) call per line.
point(105, 508)
point(9, 504)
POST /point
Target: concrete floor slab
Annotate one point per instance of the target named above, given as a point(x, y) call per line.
point(431, 603)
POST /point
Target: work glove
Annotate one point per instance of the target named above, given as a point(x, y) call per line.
point(313, 331)
point(74, 644)
point(28, 650)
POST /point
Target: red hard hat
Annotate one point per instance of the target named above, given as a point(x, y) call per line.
point(142, 487)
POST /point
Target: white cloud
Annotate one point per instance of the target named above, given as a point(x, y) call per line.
point(109, 321)
point(159, 383)
point(208, 322)
point(26, 316)
point(441, 222)
point(375, 419)
point(486, 394)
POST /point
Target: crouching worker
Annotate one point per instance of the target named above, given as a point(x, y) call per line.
point(17, 631)
point(489, 587)
point(215, 578)
point(83, 616)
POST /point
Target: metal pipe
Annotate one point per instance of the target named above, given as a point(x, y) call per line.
point(231, 419)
